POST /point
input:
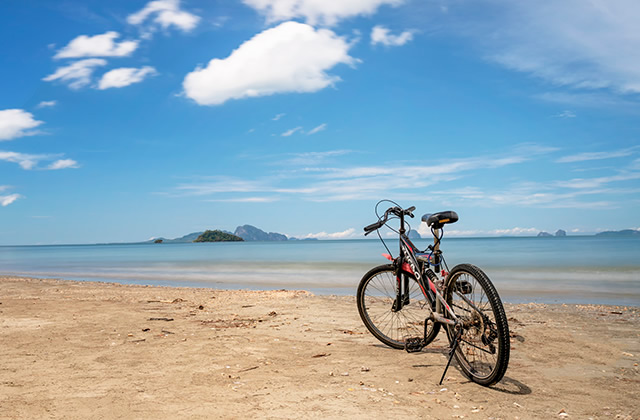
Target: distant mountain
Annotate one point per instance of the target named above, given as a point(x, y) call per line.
point(217, 236)
point(413, 234)
point(544, 235)
point(561, 232)
point(620, 233)
point(184, 239)
point(252, 233)
point(303, 239)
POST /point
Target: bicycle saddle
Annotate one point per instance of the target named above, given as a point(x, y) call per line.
point(437, 220)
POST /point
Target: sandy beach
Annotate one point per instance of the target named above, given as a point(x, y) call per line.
point(98, 350)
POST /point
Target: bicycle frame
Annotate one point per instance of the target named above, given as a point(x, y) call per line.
point(408, 262)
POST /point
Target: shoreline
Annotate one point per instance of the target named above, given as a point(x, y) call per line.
point(83, 349)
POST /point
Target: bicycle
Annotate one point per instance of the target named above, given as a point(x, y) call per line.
point(405, 303)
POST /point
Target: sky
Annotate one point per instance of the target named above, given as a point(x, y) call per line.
point(126, 120)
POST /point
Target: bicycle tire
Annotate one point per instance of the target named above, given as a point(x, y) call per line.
point(483, 351)
point(375, 297)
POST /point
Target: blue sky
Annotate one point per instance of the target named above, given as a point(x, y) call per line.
point(125, 120)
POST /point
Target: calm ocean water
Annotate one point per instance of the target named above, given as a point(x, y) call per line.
point(550, 270)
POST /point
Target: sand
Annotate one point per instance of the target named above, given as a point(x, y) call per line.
point(98, 350)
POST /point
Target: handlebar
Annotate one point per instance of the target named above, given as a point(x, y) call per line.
point(397, 211)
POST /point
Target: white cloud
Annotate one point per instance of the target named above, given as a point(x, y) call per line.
point(77, 74)
point(63, 164)
point(97, 46)
point(324, 12)
point(381, 35)
point(278, 116)
point(291, 131)
point(5, 200)
point(166, 13)
point(586, 45)
point(349, 233)
point(16, 123)
point(566, 114)
point(292, 57)
point(29, 161)
point(124, 76)
point(580, 157)
point(47, 104)
point(317, 129)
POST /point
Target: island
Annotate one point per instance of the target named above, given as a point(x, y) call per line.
point(217, 236)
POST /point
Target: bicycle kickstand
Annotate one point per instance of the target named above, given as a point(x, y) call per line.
point(451, 353)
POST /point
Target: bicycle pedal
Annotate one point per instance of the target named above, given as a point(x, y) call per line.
point(414, 344)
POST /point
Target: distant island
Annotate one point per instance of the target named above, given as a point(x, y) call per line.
point(620, 233)
point(217, 236)
point(247, 233)
point(559, 233)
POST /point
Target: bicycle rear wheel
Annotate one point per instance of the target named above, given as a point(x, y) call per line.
point(483, 350)
point(384, 318)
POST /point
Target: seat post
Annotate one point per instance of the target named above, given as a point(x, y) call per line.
point(436, 244)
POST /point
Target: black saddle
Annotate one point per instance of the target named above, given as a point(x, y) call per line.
point(437, 220)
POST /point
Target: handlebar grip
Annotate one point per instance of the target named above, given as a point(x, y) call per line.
point(410, 210)
point(373, 226)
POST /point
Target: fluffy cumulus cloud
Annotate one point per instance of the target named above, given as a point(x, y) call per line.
point(349, 233)
point(165, 13)
point(291, 57)
point(124, 76)
point(77, 74)
point(16, 123)
point(97, 46)
point(324, 12)
point(382, 35)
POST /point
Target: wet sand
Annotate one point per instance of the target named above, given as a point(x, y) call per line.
point(83, 349)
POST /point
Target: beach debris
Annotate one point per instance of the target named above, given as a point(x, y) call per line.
point(161, 319)
point(349, 332)
point(624, 353)
point(201, 307)
point(138, 341)
point(248, 306)
point(166, 332)
point(443, 390)
point(146, 329)
point(345, 374)
point(129, 335)
point(615, 313)
point(331, 374)
point(273, 313)
point(364, 369)
point(177, 300)
point(248, 369)
point(321, 355)
point(517, 405)
point(563, 413)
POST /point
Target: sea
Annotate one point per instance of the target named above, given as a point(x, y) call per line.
point(572, 269)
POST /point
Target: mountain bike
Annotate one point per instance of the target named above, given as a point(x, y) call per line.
point(404, 304)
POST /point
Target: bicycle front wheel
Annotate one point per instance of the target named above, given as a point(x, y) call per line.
point(388, 320)
point(483, 349)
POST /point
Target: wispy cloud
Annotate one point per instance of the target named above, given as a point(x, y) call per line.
point(77, 74)
point(291, 131)
point(382, 35)
point(327, 183)
point(565, 114)
point(581, 157)
point(346, 234)
point(125, 76)
point(16, 123)
point(31, 161)
point(97, 46)
point(5, 200)
point(325, 12)
point(277, 117)
point(164, 13)
point(47, 104)
point(317, 129)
